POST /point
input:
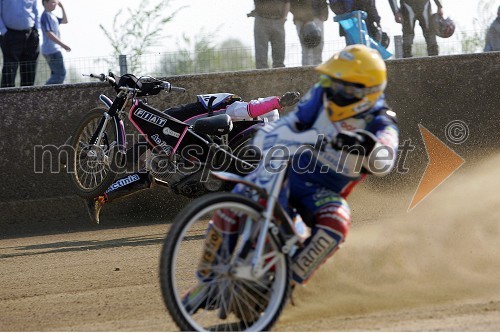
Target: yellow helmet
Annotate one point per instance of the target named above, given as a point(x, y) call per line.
point(353, 79)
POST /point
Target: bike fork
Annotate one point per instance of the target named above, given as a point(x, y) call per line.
point(97, 137)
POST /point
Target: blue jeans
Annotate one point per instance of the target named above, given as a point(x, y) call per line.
point(57, 70)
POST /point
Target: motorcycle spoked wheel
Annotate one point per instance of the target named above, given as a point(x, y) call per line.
point(228, 303)
point(93, 168)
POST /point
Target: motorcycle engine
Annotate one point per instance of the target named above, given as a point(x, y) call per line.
point(188, 184)
point(165, 170)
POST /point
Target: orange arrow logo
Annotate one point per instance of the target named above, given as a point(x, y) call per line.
point(443, 162)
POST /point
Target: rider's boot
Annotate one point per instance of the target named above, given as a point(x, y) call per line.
point(94, 207)
point(331, 225)
point(202, 296)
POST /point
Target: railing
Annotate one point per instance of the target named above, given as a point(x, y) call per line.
point(177, 63)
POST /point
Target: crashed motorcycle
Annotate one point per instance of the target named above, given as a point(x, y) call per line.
point(178, 147)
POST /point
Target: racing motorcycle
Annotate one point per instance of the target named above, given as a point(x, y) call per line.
point(240, 280)
point(177, 146)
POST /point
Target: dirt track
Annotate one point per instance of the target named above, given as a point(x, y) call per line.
point(435, 268)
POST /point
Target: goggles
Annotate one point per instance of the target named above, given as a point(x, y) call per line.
point(345, 93)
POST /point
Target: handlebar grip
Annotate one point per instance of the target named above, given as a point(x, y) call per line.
point(177, 89)
point(169, 87)
point(101, 77)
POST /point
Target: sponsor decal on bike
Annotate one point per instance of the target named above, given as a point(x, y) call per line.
point(212, 244)
point(168, 131)
point(166, 148)
point(149, 117)
point(122, 182)
point(321, 246)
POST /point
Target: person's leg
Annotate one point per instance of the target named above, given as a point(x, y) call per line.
point(57, 69)
point(312, 56)
point(409, 20)
point(305, 50)
point(29, 58)
point(278, 43)
point(12, 48)
point(317, 52)
point(424, 18)
point(261, 38)
point(50, 62)
point(329, 216)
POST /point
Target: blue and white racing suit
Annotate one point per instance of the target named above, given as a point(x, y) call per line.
point(319, 182)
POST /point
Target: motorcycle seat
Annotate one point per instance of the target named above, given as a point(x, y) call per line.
point(216, 125)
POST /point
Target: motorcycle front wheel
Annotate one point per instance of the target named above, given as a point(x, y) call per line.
point(215, 298)
point(93, 167)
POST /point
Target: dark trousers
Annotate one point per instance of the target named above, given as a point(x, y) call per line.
point(20, 50)
point(421, 11)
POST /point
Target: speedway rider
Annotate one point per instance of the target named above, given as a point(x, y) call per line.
point(348, 107)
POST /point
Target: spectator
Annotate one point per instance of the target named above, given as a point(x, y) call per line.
point(493, 35)
point(52, 43)
point(269, 27)
point(408, 14)
point(369, 6)
point(19, 41)
point(305, 11)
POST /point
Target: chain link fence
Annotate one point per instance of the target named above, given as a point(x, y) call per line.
point(223, 60)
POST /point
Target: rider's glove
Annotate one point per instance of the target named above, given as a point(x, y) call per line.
point(289, 98)
point(357, 142)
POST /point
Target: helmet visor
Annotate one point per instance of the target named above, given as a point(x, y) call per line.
point(345, 93)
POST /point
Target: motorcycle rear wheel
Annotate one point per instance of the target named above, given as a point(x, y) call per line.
point(230, 303)
point(93, 168)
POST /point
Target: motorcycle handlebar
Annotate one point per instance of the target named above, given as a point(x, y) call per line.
point(102, 77)
point(170, 88)
point(163, 85)
point(177, 89)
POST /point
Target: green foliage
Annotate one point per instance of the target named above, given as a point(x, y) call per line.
point(198, 55)
point(135, 31)
point(474, 41)
point(419, 48)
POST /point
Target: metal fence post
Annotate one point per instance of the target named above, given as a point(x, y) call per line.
point(122, 60)
point(398, 47)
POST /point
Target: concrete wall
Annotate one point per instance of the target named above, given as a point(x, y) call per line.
point(429, 91)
